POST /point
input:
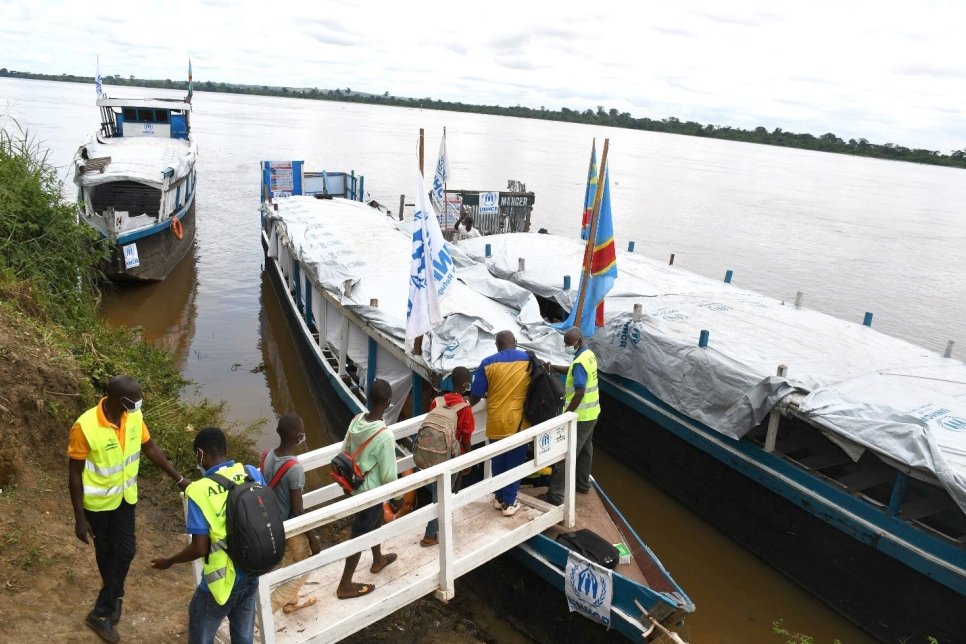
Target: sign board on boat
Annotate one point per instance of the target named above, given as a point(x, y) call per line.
point(131, 259)
point(489, 203)
point(549, 445)
point(589, 588)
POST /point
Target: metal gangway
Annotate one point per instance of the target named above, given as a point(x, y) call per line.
point(471, 533)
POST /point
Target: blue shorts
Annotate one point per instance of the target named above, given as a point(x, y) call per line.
point(366, 521)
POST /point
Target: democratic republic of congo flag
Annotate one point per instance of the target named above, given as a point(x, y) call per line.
point(589, 193)
point(603, 270)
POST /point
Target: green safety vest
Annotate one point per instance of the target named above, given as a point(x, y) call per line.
point(110, 472)
point(218, 569)
point(589, 407)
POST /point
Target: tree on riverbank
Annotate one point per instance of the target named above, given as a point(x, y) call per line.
point(827, 142)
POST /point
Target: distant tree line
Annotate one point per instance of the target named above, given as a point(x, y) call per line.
point(827, 142)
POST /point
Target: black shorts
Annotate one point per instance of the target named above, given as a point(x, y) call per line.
point(367, 520)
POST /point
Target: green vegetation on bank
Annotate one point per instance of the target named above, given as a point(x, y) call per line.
point(49, 291)
point(827, 142)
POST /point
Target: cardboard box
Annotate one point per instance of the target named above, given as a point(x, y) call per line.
point(624, 552)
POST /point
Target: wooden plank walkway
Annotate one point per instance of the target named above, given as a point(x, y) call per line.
point(415, 572)
point(471, 532)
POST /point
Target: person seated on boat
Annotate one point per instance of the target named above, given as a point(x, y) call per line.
point(467, 231)
point(465, 426)
point(503, 379)
point(378, 461)
point(581, 397)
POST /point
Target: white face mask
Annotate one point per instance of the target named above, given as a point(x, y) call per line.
point(201, 468)
point(302, 439)
point(570, 350)
point(135, 405)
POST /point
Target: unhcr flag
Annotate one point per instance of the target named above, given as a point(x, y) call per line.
point(603, 271)
point(98, 82)
point(441, 176)
point(589, 193)
point(191, 87)
point(431, 273)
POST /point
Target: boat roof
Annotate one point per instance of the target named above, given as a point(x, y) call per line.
point(160, 103)
point(867, 390)
point(141, 159)
point(357, 253)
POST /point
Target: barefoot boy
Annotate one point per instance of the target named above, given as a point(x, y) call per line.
point(378, 462)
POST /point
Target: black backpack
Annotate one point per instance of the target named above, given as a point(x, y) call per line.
point(545, 395)
point(256, 538)
point(592, 546)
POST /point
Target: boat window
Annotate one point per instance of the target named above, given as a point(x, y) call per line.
point(146, 115)
point(130, 114)
point(161, 116)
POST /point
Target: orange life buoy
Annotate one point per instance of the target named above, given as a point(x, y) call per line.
point(176, 228)
point(409, 502)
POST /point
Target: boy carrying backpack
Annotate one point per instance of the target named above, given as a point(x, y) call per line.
point(374, 455)
point(445, 434)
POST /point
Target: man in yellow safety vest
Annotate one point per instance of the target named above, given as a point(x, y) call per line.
point(104, 452)
point(224, 590)
point(583, 398)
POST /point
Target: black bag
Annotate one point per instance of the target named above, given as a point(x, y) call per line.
point(345, 471)
point(545, 395)
point(256, 537)
point(592, 546)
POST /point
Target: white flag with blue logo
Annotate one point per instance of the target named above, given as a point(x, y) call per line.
point(431, 273)
point(589, 588)
point(442, 174)
point(98, 83)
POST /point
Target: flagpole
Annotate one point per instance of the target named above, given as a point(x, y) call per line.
point(445, 210)
point(590, 169)
point(592, 236)
point(421, 155)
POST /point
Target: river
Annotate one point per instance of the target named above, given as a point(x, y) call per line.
point(853, 234)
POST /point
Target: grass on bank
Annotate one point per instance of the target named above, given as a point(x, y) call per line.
point(49, 284)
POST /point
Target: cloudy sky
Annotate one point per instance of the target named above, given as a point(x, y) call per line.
point(887, 71)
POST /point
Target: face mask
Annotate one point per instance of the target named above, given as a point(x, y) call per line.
point(302, 439)
point(201, 468)
point(135, 405)
point(570, 350)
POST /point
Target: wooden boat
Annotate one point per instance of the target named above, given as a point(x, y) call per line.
point(845, 469)
point(136, 181)
point(346, 337)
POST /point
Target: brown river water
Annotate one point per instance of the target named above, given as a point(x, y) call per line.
point(854, 234)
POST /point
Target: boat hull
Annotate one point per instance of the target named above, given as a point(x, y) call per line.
point(880, 594)
point(158, 251)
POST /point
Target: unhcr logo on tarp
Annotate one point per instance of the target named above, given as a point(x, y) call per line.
point(589, 589)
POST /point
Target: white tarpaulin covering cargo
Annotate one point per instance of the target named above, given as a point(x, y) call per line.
point(866, 389)
point(356, 253)
point(141, 159)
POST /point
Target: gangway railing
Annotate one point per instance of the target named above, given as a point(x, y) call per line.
point(553, 441)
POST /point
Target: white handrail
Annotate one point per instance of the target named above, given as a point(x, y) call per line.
point(551, 432)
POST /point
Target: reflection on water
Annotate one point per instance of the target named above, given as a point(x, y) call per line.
point(165, 311)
